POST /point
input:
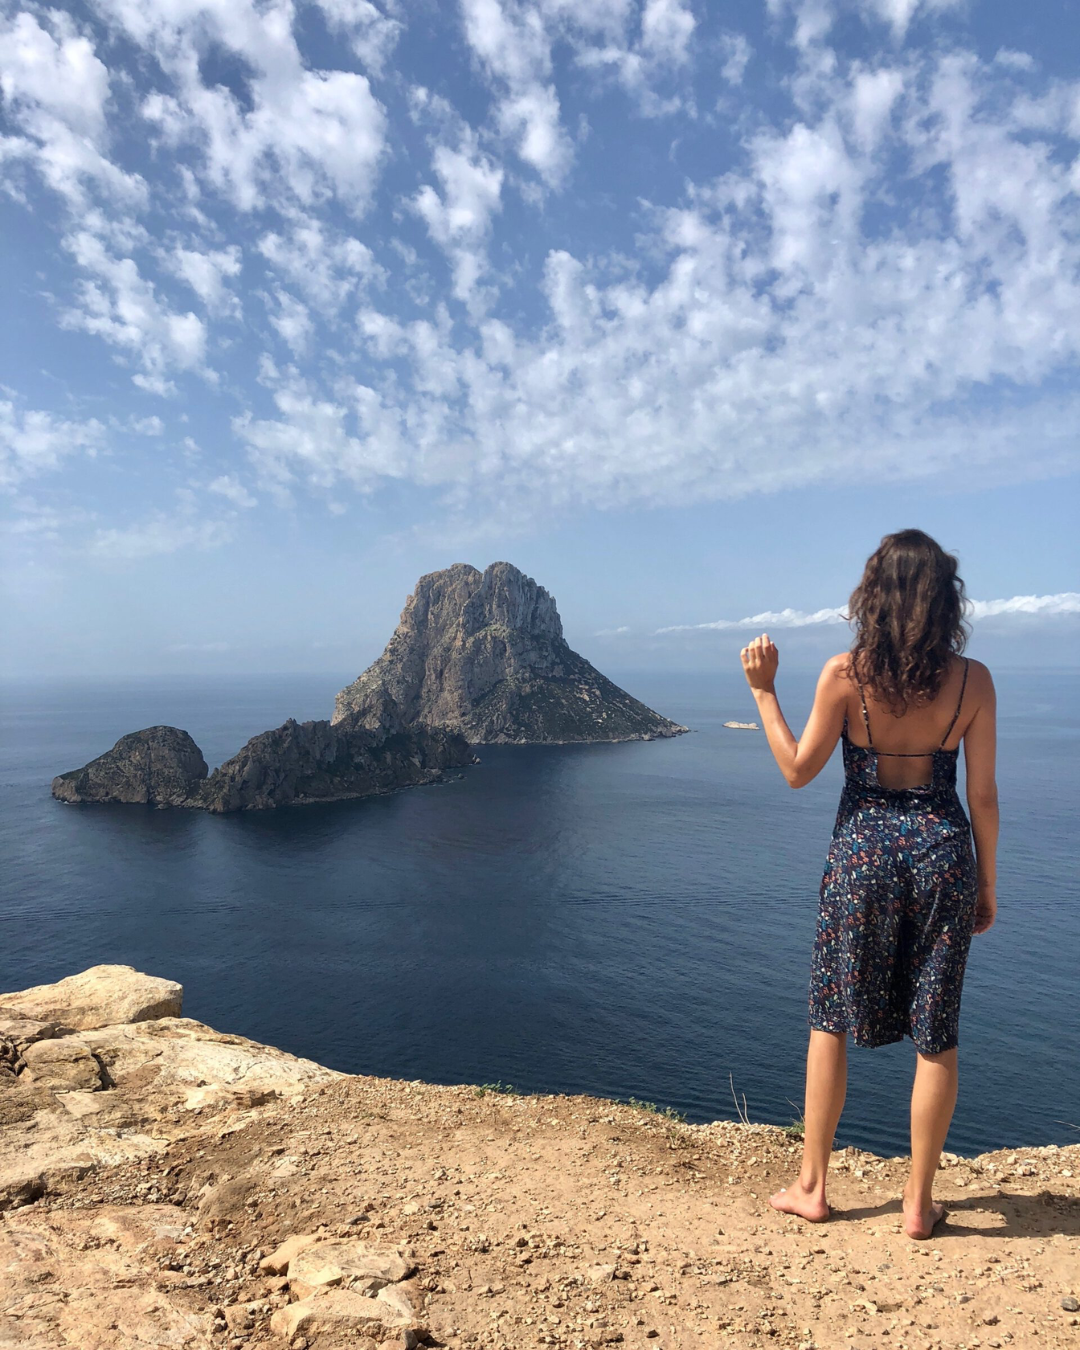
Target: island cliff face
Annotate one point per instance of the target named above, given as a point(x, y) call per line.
point(298, 762)
point(483, 654)
point(302, 762)
point(161, 766)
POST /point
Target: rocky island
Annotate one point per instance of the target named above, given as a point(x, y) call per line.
point(296, 763)
point(477, 657)
point(163, 1184)
point(483, 654)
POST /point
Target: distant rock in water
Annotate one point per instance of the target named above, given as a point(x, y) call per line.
point(297, 762)
point(161, 766)
point(321, 762)
point(483, 654)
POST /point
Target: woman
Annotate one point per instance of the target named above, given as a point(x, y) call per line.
point(902, 891)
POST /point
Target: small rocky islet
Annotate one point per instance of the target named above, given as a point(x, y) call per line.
point(478, 658)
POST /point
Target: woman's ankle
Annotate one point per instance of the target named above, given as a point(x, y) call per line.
point(812, 1182)
point(919, 1197)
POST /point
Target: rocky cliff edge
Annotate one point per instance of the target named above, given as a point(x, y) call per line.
point(163, 1184)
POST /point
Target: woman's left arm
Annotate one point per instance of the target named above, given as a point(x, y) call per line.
point(800, 760)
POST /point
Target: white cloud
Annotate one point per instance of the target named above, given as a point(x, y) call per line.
point(769, 618)
point(815, 18)
point(646, 45)
point(873, 94)
point(898, 14)
point(123, 307)
point(373, 34)
point(783, 335)
point(667, 27)
point(38, 521)
point(56, 71)
point(291, 320)
point(154, 384)
point(459, 220)
point(33, 442)
point(320, 439)
point(146, 426)
point(323, 133)
point(55, 90)
point(736, 52)
point(883, 284)
point(160, 533)
point(207, 273)
point(513, 45)
point(1067, 602)
point(227, 485)
point(326, 266)
point(299, 134)
point(1045, 606)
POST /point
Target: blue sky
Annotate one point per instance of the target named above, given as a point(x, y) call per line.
point(678, 306)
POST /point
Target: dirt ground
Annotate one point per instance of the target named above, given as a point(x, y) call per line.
point(543, 1221)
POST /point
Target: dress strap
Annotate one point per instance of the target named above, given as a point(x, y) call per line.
point(959, 705)
point(865, 714)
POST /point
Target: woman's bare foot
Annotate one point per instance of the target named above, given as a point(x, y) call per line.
point(919, 1223)
point(796, 1199)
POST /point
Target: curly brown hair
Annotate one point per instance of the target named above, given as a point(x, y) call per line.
point(908, 612)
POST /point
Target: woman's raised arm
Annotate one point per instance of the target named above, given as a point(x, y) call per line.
point(800, 760)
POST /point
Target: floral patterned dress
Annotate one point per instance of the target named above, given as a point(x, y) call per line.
point(897, 905)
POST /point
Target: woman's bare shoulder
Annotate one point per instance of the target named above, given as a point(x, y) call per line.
point(838, 667)
point(834, 682)
point(980, 683)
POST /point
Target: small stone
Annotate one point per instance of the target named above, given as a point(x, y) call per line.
point(277, 1263)
point(1070, 1304)
point(345, 1261)
point(341, 1310)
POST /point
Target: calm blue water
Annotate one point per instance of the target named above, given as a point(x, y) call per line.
point(629, 920)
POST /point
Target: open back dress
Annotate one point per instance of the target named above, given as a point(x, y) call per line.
point(897, 906)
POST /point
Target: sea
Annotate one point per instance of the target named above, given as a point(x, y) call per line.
point(629, 921)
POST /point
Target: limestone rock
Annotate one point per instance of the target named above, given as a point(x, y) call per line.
point(160, 766)
point(64, 1065)
point(600, 1273)
point(302, 762)
point(277, 1263)
point(342, 1310)
point(180, 1064)
point(24, 1031)
point(79, 1280)
point(11, 1060)
point(483, 654)
point(98, 997)
point(58, 1118)
point(404, 1299)
point(346, 1262)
